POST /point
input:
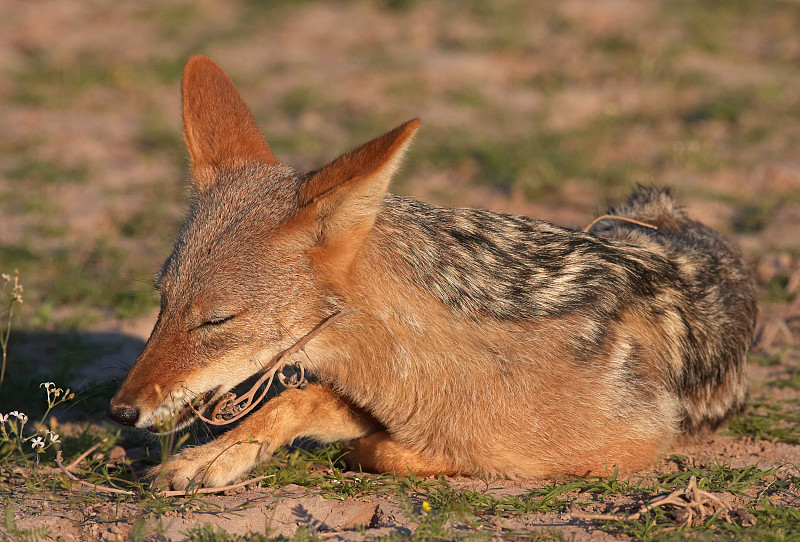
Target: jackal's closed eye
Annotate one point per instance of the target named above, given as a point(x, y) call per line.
point(217, 321)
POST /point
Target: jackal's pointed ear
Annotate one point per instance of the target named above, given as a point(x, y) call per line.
point(219, 130)
point(362, 172)
point(344, 197)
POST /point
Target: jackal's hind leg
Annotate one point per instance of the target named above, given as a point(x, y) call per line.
point(380, 452)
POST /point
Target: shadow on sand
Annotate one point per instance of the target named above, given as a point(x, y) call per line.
point(91, 364)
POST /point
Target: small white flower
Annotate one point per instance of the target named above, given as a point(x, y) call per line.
point(23, 418)
point(57, 392)
point(3, 418)
point(53, 436)
point(6, 277)
point(37, 442)
point(47, 385)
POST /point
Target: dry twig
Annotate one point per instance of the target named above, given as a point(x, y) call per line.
point(690, 499)
point(74, 463)
point(85, 454)
point(617, 217)
point(232, 408)
point(172, 493)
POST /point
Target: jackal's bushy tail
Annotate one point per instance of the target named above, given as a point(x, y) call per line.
point(717, 303)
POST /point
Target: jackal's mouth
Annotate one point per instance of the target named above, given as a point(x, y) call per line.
point(176, 419)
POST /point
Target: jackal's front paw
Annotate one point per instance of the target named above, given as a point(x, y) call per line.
point(212, 465)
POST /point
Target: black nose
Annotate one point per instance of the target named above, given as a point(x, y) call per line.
point(124, 414)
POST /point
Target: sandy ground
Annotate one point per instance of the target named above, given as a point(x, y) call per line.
point(282, 511)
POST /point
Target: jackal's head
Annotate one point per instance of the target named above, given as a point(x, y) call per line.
point(259, 259)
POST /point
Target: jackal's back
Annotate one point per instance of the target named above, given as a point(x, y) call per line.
point(683, 279)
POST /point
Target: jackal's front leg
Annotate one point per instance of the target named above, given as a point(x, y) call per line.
point(316, 412)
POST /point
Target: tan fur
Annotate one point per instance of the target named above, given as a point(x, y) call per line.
point(483, 344)
point(381, 452)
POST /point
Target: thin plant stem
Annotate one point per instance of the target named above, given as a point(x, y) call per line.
point(14, 296)
point(4, 341)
